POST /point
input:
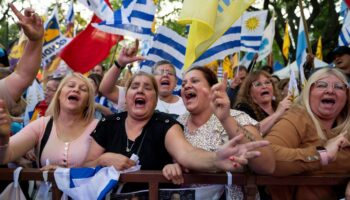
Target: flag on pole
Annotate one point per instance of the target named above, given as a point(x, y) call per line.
point(267, 41)
point(54, 41)
point(319, 54)
point(70, 21)
point(293, 85)
point(209, 21)
point(286, 43)
point(167, 45)
point(253, 24)
point(17, 50)
point(234, 38)
point(344, 35)
point(101, 8)
point(134, 19)
point(301, 52)
point(35, 94)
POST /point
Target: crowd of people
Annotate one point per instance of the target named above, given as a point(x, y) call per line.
point(249, 122)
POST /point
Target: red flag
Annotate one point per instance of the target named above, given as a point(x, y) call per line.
point(88, 48)
point(347, 3)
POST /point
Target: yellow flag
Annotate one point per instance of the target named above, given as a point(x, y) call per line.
point(319, 49)
point(209, 20)
point(286, 43)
point(227, 67)
point(214, 65)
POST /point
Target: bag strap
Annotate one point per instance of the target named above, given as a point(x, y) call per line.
point(45, 138)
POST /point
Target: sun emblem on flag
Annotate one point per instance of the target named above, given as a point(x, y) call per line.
point(252, 23)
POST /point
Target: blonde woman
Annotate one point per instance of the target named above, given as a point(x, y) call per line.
point(71, 114)
point(312, 136)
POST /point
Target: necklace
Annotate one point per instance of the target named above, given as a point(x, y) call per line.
point(128, 149)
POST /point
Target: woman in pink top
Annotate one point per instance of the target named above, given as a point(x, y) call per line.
point(72, 111)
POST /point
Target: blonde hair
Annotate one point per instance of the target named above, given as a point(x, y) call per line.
point(54, 107)
point(343, 119)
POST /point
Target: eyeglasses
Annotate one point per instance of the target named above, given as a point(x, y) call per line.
point(162, 72)
point(47, 89)
point(322, 85)
point(258, 84)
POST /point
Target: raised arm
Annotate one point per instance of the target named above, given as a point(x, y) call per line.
point(126, 56)
point(265, 163)
point(30, 62)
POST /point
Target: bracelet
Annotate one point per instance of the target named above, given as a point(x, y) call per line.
point(118, 65)
point(323, 155)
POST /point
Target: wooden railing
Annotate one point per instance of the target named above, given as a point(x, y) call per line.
point(153, 178)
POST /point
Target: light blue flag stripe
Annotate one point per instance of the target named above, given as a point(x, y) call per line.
point(301, 45)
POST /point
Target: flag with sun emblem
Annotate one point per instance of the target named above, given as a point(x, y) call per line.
point(253, 24)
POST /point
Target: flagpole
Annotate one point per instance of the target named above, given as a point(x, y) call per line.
point(305, 27)
point(113, 56)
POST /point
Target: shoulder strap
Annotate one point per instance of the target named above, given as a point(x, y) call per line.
point(45, 138)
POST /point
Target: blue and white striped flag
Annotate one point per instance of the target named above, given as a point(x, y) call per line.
point(301, 52)
point(86, 183)
point(238, 37)
point(344, 36)
point(167, 45)
point(99, 7)
point(134, 19)
point(70, 14)
point(253, 24)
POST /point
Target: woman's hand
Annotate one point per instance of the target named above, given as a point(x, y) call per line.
point(5, 120)
point(173, 172)
point(284, 104)
point(30, 22)
point(335, 144)
point(118, 161)
point(49, 167)
point(129, 55)
point(233, 155)
point(219, 100)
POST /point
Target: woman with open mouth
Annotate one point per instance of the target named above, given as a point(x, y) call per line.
point(62, 137)
point(260, 99)
point(312, 136)
point(155, 137)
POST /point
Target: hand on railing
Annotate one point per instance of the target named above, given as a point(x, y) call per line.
point(335, 144)
point(118, 161)
point(173, 172)
point(5, 121)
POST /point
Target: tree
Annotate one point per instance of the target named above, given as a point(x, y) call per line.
point(323, 21)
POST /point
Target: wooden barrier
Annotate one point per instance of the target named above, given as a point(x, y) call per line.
point(153, 178)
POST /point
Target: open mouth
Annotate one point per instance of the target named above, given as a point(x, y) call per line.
point(73, 98)
point(140, 102)
point(190, 95)
point(328, 101)
point(165, 82)
point(265, 93)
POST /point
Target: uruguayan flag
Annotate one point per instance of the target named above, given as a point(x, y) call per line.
point(253, 24)
point(99, 7)
point(134, 19)
point(245, 35)
point(86, 183)
point(344, 36)
point(301, 52)
point(167, 45)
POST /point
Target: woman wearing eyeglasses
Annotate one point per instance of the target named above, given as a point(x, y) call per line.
point(312, 136)
point(260, 99)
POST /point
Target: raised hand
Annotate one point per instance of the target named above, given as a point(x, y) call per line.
point(335, 144)
point(173, 172)
point(219, 100)
point(233, 154)
point(129, 55)
point(284, 104)
point(5, 120)
point(30, 22)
